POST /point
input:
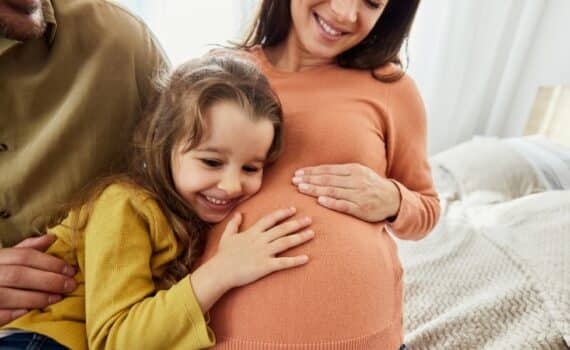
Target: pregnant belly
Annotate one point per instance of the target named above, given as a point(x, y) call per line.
point(350, 288)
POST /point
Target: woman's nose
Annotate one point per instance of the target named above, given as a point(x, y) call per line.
point(345, 10)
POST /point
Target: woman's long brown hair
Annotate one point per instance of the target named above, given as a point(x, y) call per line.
point(178, 115)
point(382, 46)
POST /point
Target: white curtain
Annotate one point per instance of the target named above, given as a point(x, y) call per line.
point(189, 28)
point(467, 57)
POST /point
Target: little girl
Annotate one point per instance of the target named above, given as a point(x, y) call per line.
point(200, 151)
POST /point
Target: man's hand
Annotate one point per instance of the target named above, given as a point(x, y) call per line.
point(30, 278)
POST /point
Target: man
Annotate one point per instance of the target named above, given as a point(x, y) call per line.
point(74, 78)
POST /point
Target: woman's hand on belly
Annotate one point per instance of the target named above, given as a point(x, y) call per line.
point(244, 257)
point(353, 189)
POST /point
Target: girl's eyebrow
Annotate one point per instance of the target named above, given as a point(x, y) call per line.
point(213, 149)
point(226, 151)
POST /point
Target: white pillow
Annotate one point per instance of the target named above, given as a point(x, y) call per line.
point(550, 160)
point(444, 182)
point(488, 165)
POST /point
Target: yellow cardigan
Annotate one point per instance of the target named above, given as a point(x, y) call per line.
point(126, 242)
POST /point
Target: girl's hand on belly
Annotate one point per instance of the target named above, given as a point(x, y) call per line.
point(353, 189)
point(244, 257)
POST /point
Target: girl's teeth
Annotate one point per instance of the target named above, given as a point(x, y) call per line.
point(328, 28)
point(216, 201)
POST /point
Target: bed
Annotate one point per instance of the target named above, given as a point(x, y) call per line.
point(495, 272)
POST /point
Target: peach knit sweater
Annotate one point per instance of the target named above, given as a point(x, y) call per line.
point(349, 295)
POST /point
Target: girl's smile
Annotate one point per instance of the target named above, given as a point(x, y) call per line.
point(218, 204)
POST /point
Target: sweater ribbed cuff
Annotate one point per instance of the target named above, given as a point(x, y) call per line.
point(206, 336)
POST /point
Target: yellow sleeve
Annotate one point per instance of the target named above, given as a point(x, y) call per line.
point(123, 309)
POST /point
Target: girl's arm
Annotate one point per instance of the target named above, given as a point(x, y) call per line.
point(126, 240)
point(128, 237)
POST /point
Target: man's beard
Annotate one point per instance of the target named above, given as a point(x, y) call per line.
point(20, 26)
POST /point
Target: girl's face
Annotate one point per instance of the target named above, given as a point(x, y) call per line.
point(226, 168)
point(327, 28)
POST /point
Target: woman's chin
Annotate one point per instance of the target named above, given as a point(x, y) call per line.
point(323, 52)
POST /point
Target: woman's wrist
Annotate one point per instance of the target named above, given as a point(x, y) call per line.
point(397, 202)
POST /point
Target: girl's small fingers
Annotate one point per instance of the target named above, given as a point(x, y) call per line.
point(288, 262)
point(286, 228)
point(273, 218)
point(233, 225)
point(284, 243)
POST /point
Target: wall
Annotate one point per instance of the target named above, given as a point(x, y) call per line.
point(547, 63)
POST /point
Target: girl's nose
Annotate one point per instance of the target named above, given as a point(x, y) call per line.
point(230, 184)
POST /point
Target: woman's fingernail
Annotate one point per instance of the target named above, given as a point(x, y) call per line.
point(299, 173)
point(18, 313)
point(297, 180)
point(54, 299)
point(69, 271)
point(303, 187)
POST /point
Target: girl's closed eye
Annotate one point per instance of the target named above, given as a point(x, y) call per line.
point(252, 168)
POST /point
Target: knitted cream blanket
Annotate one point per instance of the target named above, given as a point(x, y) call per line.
point(491, 277)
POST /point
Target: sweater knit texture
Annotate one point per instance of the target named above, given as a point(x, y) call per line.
point(349, 295)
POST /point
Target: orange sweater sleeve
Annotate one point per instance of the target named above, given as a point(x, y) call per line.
point(407, 165)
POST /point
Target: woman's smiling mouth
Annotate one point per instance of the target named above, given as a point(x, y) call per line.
point(330, 31)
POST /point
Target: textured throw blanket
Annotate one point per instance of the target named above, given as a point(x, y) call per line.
point(491, 277)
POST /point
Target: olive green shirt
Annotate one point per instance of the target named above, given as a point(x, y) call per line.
point(68, 105)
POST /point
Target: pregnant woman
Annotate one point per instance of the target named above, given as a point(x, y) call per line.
point(354, 160)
